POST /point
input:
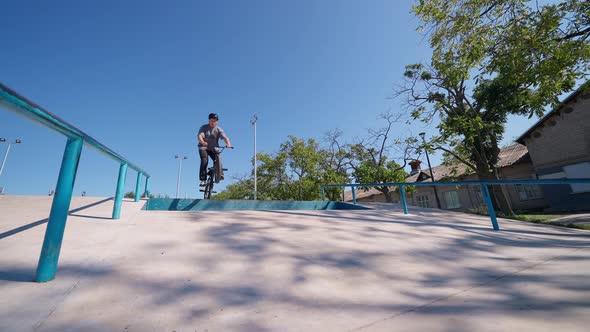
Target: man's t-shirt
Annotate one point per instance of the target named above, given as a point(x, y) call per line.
point(211, 136)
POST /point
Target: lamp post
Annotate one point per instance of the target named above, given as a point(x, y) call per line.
point(179, 173)
point(430, 168)
point(16, 141)
point(253, 122)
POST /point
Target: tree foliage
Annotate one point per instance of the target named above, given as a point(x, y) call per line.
point(301, 166)
point(492, 59)
point(295, 172)
point(131, 194)
point(521, 55)
point(335, 165)
point(242, 189)
point(369, 159)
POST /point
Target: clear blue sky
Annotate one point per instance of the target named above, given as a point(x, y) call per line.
point(141, 77)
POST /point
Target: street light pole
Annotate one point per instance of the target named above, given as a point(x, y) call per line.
point(253, 122)
point(430, 168)
point(179, 173)
point(17, 141)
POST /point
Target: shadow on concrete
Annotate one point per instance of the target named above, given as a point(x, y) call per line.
point(423, 278)
point(66, 271)
point(41, 222)
point(253, 241)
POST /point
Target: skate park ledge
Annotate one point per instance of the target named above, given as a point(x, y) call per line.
point(176, 204)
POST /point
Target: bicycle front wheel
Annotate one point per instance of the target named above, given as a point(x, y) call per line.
point(208, 189)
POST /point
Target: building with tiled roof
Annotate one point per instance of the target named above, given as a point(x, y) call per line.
point(557, 146)
point(514, 163)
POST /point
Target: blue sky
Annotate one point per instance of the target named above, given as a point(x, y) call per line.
point(141, 77)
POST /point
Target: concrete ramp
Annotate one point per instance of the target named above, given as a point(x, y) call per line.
point(322, 270)
point(171, 204)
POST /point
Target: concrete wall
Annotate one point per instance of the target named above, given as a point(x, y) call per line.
point(470, 197)
point(374, 196)
point(561, 197)
point(564, 138)
point(422, 191)
point(523, 171)
point(467, 197)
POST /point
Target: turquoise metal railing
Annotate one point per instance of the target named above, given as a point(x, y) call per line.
point(76, 139)
point(483, 184)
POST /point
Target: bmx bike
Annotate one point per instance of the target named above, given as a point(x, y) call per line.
point(215, 173)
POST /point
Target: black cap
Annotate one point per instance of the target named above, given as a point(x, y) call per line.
point(213, 116)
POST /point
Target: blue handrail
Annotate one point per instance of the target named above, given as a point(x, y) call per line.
point(60, 206)
point(16, 103)
point(484, 187)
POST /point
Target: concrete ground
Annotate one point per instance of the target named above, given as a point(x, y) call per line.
point(374, 270)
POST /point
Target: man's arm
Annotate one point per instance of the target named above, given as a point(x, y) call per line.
point(201, 140)
point(224, 136)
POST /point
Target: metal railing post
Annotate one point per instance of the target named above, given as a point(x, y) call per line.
point(119, 191)
point(137, 185)
point(147, 187)
point(402, 194)
point(323, 194)
point(59, 211)
point(353, 195)
point(486, 194)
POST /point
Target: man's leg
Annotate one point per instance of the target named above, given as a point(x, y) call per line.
point(204, 162)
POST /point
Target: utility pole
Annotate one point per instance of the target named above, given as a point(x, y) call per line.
point(17, 141)
point(179, 173)
point(253, 122)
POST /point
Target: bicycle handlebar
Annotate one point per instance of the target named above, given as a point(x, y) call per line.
point(219, 149)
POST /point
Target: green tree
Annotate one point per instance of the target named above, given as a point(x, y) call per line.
point(492, 59)
point(301, 166)
point(303, 159)
point(369, 159)
point(131, 194)
point(295, 172)
point(334, 165)
point(273, 181)
point(242, 189)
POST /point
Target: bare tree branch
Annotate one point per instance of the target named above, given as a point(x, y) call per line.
point(468, 164)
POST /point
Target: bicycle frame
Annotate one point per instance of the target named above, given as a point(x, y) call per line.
point(215, 173)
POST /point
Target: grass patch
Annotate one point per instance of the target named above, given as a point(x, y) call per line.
point(534, 217)
point(545, 219)
point(570, 225)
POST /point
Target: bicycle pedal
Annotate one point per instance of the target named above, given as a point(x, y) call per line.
point(214, 192)
point(202, 190)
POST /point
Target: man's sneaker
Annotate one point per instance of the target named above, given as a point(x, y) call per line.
point(202, 184)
